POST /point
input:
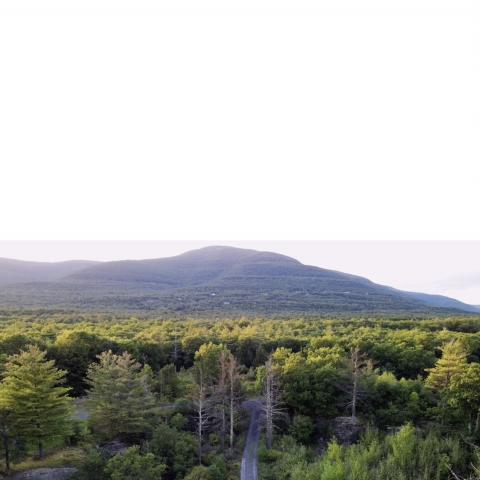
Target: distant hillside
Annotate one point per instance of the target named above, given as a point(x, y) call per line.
point(18, 271)
point(443, 302)
point(223, 280)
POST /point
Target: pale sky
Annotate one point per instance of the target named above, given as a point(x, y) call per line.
point(448, 268)
point(239, 119)
point(266, 119)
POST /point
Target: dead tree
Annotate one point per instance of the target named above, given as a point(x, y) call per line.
point(221, 393)
point(233, 383)
point(271, 400)
point(227, 396)
point(357, 363)
point(201, 403)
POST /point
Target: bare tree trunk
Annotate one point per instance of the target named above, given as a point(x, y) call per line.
point(6, 449)
point(200, 402)
point(232, 378)
point(40, 450)
point(270, 401)
point(222, 392)
point(269, 409)
point(356, 366)
point(355, 352)
point(175, 352)
point(232, 421)
point(223, 427)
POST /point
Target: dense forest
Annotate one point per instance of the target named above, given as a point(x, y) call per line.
point(152, 398)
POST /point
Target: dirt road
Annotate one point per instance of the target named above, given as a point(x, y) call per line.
point(249, 469)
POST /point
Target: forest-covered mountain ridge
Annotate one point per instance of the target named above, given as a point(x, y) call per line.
point(212, 279)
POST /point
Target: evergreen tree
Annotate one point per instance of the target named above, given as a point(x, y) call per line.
point(120, 399)
point(38, 406)
point(448, 369)
point(452, 363)
point(166, 383)
point(464, 394)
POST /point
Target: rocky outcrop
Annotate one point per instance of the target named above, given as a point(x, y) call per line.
point(111, 449)
point(346, 430)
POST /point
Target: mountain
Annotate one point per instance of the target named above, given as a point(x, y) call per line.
point(19, 271)
point(443, 302)
point(219, 280)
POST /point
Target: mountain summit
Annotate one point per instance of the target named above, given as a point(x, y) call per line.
point(217, 279)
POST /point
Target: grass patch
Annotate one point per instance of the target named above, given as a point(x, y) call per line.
point(65, 457)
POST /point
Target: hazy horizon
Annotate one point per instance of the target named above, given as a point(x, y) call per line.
point(449, 268)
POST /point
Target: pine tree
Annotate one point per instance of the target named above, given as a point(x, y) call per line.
point(38, 406)
point(119, 398)
point(448, 369)
point(167, 383)
point(452, 363)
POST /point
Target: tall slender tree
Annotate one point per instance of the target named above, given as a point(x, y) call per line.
point(233, 394)
point(446, 373)
point(227, 393)
point(202, 404)
point(271, 400)
point(357, 363)
point(39, 407)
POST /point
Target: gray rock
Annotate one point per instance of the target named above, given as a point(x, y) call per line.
point(111, 449)
point(346, 430)
point(46, 474)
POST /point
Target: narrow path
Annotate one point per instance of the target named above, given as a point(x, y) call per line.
point(249, 469)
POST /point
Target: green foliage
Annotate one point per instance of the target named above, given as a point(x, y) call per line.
point(207, 358)
point(132, 465)
point(392, 402)
point(178, 421)
point(74, 351)
point(302, 428)
point(166, 383)
point(404, 385)
point(39, 408)
point(216, 471)
point(119, 399)
point(310, 384)
point(93, 467)
point(451, 365)
point(463, 393)
point(178, 450)
point(405, 455)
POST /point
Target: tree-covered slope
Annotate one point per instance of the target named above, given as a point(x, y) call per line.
point(221, 280)
point(19, 271)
